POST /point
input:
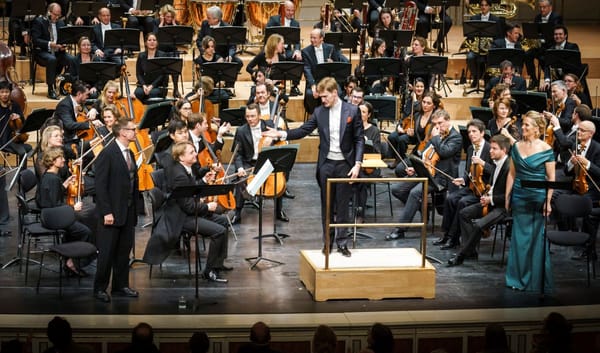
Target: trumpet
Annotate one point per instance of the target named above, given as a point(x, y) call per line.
point(436, 11)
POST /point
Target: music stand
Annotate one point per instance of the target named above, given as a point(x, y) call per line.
point(282, 160)
point(444, 4)
point(229, 35)
point(116, 11)
point(122, 38)
point(431, 65)
point(565, 60)
point(220, 72)
point(233, 116)
point(291, 35)
point(381, 67)
point(527, 101)
point(154, 5)
point(198, 192)
point(86, 8)
point(98, 72)
point(161, 67)
point(342, 40)
point(72, 34)
point(163, 142)
point(515, 56)
point(287, 70)
point(384, 107)
point(545, 185)
point(396, 38)
point(173, 36)
point(484, 114)
point(541, 31)
point(479, 30)
point(155, 115)
point(339, 71)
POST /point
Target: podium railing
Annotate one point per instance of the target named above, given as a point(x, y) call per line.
point(422, 225)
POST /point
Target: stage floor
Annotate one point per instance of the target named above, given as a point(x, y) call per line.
point(276, 289)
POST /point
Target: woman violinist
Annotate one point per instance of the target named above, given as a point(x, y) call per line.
point(51, 192)
point(11, 120)
point(110, 115)
point(576, 91)
point(503, 123)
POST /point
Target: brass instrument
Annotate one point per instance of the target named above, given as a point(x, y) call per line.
point(506, 8)
point(436, 11)
point(474, 45)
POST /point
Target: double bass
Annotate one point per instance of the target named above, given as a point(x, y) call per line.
point(17, 95)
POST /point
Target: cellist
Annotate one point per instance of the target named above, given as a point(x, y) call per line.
point(11, 117)
point(478, 153)
point(471, 218)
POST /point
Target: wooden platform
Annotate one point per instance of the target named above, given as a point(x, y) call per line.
point(369, 274)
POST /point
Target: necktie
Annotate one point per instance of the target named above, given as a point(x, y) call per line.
point(581, 148)
point(127, 158)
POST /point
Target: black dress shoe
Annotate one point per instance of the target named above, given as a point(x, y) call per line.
point(344, 250)
point(125, 292)
point(472, 256)
point(225, 268)
point(102, 296)
point(295, 91)
point(451, 245)
point(52, 95)
point(282, 216)
point(441, 241)
point(213, 276)
point(456, 260)
point(288, 195)
point(396, 234)
point(237, 219)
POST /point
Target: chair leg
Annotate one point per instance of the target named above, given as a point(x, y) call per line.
point(27, 258)
point(231, 227)
point(389, 187)
point(60, 273)
point(150, 272)
point(37, 288)
point(494, 240)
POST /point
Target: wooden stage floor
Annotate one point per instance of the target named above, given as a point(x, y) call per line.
point(276, 289)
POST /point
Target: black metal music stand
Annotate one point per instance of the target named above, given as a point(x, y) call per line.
point(384, 107)
point(291, 35)
point(154, 5)
point(545, 185)
point(155, 115)
point(124, 39)
point(444, 4)
point(229, 35)
point(541, 31)
point(396, 38)
point(86, 8)
point(479, 30)
point(72, 34)
point(162, 67)
point(173, 36)
point(484, 114)
point(233, 116)
point(287, 70)
point(342, 40)
point(564, 61)
point(198, 192)
point(220, 72)
point(527, 101)
point(163, 142)
point(339, 71)
point(282, 159)
point(431, 65)
point(98, 71)
point(116, 11)
point(422, 171)
point(497, 55)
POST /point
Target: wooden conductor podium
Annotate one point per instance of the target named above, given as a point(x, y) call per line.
point(370, 273)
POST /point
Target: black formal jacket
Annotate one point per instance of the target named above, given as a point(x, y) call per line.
point(518, 84)
point(113, 185)
point(141, 69)
point(554, 19)
point(499, 190)
point(494, 18)
point(500, 43)
point(221, 49)
point(66, 113)
point(310, 60)
point(449, 151)
point(592, 155)
point(565, 116)
point(564, 143)
point(275, 21)
point(352, 140)
point(243, 139)
point(40, 33)
point(50, 191)
point(98, 41)
point(488, 169)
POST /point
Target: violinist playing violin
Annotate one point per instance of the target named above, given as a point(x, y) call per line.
point(446, 144)
point(247, 139)
point(51, 192)
point(561, 105)
point(69, 108)
point(11, 120)
point(490, 209)
point(478, 168)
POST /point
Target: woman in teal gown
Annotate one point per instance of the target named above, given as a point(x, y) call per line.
point(532, 159)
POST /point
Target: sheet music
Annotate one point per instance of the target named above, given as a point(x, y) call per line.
point(260, 177)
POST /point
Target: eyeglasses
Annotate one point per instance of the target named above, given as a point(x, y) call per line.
point(129, 128)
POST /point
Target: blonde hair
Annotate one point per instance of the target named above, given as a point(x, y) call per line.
point(46, 136)
point(51, 155)
point(271, 44)
point(168, 8)
point(538, 120)
point(110, 84)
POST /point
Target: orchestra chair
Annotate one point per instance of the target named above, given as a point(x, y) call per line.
point(504, 227)
point(26, 182)
point(575, 206)
point(57, 220)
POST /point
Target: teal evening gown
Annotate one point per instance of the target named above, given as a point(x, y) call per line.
point(524, 268)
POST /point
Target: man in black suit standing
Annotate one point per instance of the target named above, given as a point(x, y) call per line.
point(478, 153)
point(291, 50)
point(472, 221)
point(214, 19)
point(68, 109)
point(46, 50)
point(247, 139)
point(546, 15)
point(116, 196)
point(99, 31)
point(340, 152)
point(475, 61)
point(318, 52)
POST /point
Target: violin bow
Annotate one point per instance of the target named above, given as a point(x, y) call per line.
point(395, 151)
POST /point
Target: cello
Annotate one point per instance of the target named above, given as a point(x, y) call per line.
point(17, 95)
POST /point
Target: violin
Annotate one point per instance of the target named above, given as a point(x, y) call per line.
point(580, 184)
point(75, 188)
point(425, 141)
point(225, 201)
point(89, 133)
point(409, 121)
point(479, 187)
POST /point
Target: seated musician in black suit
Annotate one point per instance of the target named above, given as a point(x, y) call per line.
point(561, 36)
point(46, 50)
point(99, 30)
point(472, 220)
point(508, 76)
point(214, 19)
point(247, 139)
point(447, 143)
point(137, 18)
point(478, 153)
point(561, 105)
point(70, 107)
point(512, 37)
